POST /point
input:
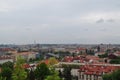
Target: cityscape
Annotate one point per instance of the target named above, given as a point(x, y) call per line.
point(71, 61)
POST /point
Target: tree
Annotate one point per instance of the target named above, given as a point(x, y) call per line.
point(103, 55)
point(67, 73)
point(107, 77)
point(19, 72)
point(42, 71)
point(53, 77)
point(108, 51)
point(90, 52)
point(1, 78)
point(98, 48)
point(6, 73)
point(116, 75)
point(8, 64)
point(113, 76)
point(7, 68)
point(31, 75)
point(115, 61)
point(60, 74)
point(52, 61)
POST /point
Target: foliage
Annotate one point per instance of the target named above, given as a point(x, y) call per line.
point(67, 73)
point(71, 66)
point(108, 51)
point(103, 55)
point(20, 61)
point(53, 76)
point(115, 61)
point(113, 76)
point(62, 53)
point(116, 75)
point(42, 71)
point(106, 54)
point(19, 72)
point(1, 78)
point(7, 68)
point(31, 75)
point(107, 77)
point(52, 61)
point(34, 60)
point(8, 64)
point(6, 73)
point(90, 52)
point(60, 74)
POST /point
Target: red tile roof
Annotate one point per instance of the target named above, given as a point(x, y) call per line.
point(97, 70)
point(6, 49)
point(26, 66)
point(5, 57)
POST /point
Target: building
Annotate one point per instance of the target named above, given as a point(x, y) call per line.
point(26, 55)
point(95, 72)
point(6, 58)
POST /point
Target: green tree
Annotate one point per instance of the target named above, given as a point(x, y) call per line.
point(113, 76)
point(107, 77)
point(6, 73)
point(1, 78)
point(116, 75)
point(8, 64)
point(103, 55)
point(67, 73)
point(42, 71)
point(31, 75)
point(7, 69)
point(52, 61)
point(115, 61)
point(53, 77)
point(19, 72)
point(60, 74)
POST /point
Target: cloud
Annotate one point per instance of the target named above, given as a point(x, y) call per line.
point(100, 21)
point(85, 29)
point(104, 29)
point(111, 20)
point(6, 6)
point(103, 21)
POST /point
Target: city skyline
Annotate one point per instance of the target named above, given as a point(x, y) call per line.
point(60, 21)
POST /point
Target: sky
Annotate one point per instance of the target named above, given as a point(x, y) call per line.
point(59, 21)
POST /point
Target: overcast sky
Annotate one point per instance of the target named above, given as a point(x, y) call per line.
point(59, 21)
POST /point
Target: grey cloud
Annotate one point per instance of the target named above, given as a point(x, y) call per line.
point(104, 21)
point(111, 20)
point(104, 29)
point(85, 29)
point(100, 21)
